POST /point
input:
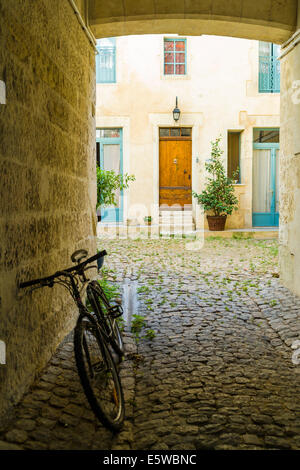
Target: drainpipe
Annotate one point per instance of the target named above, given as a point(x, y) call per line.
point(290, 44)
point(84, 25)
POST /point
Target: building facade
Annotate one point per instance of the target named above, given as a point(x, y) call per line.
point(224, 87)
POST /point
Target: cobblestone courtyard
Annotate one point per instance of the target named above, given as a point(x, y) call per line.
point(211, 369)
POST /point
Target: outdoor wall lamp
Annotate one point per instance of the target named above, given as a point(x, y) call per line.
point(176, 112)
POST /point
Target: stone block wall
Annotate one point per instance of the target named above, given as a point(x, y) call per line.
point(290, 171)
point(47, 172)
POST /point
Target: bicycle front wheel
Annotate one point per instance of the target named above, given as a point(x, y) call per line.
point(98, 374)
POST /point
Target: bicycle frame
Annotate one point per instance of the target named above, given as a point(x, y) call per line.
point(91, 338)
point(100, 314)
point(70, 281)
point(83, 310)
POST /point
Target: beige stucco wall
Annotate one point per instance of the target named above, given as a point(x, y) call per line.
point(219, 93)
point(47, 148)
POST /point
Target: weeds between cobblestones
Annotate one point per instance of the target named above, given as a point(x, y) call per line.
point(217, 374)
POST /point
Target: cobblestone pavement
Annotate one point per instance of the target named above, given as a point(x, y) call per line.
point(210, 369)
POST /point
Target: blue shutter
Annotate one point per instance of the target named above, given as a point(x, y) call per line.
point(276, 69)
point(106, 61)
point(265, 67)
point(269, 68)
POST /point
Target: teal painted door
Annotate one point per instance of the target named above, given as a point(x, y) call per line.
point(265, 193)
point(111, 158)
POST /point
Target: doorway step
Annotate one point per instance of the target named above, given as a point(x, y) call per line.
point(174, 222)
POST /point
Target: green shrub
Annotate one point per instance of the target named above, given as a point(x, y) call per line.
point(108, 182)
point(218, 195)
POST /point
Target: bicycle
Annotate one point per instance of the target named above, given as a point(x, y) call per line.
point(96, 337)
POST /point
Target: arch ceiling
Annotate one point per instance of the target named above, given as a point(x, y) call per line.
point(269, 20)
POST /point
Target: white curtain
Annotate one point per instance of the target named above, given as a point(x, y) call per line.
point(277, 180)
point(265, 48)
point(261, 180)
point(111, 161)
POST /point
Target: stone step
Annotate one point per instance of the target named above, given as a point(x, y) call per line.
point(176, 217)
point(176, 233)
point(190, 226)
point(175, 213)
point(176, 223)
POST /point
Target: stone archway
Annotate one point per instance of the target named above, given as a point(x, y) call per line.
point(269, 21)
point(47, 145)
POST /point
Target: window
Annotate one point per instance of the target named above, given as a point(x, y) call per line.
point(233, 155)
point(174, 56)
point(108, 133)
point(266, 136)
point(174, 133)
point(269, 68)
point(106, 61)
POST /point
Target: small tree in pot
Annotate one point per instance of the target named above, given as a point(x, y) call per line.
point(218, 196)
point(108, 183)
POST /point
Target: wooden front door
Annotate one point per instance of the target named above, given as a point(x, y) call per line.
point(175, 171)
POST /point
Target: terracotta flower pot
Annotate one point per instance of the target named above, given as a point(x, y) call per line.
point(216, 222)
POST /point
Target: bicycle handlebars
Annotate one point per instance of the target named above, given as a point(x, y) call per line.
point(79, 268)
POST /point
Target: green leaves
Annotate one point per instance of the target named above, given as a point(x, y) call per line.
point(108, 182)
point(218, 196)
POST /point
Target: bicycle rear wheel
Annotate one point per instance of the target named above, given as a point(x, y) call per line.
point(98, 374)
point(101, 307)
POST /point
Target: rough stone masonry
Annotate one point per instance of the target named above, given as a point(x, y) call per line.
point(47, 188)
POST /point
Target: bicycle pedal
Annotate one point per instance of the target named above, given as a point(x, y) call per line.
point(116, 311)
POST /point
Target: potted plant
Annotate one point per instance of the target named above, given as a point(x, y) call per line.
point(218, 198)
point(108, 182)
point(148, 220)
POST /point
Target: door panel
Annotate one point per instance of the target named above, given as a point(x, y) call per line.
point(175, 172)
point(261, 181)
point(111, 161)
point(110, 145)
point(277, 181)
point(265, 187)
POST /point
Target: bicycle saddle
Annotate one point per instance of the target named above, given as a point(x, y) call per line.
point(79, 255)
